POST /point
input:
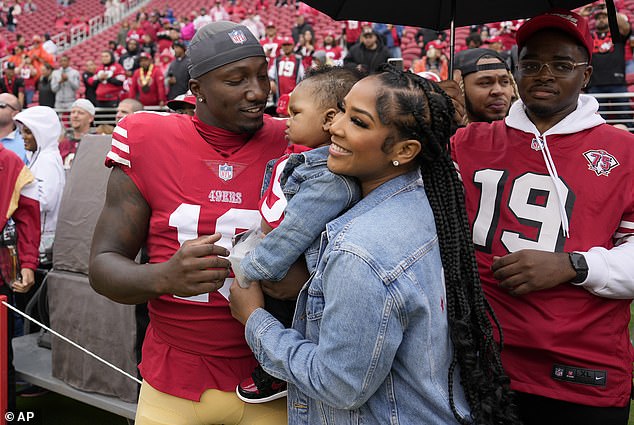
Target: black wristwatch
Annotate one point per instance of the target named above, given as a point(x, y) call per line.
point(580, 265)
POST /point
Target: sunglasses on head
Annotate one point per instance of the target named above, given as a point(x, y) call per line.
point(5, 105)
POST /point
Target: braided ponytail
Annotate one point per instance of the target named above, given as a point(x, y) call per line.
point(420, 110)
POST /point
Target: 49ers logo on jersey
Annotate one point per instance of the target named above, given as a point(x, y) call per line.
point(601, 162)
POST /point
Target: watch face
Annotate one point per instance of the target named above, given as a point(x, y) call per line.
point(580, 266)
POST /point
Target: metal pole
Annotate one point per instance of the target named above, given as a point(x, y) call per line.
point(452, 38)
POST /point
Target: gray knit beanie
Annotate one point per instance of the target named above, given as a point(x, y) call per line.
point(219, 43)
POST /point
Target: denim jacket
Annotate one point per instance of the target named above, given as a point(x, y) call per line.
point(315, 196)
point(370, 339)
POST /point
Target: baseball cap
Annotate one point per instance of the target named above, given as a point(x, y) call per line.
point(10, 65)
point(270, 24)
point(179, 43)
point(145, 55)
point(84, 104)
point(182, 101)
point(559, 19)
point(429, 75)
point(287, 40)
point(220, 43)
point(367, 30)
point(467, 61)
point(436, 44)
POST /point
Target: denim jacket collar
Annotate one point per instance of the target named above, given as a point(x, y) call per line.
point(378, 195)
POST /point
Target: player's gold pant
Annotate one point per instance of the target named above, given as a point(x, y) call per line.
point(215, 408)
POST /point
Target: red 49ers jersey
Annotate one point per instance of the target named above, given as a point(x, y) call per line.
point(271, 47)
point(564, 343)
point(286, 73)
point(193, 344)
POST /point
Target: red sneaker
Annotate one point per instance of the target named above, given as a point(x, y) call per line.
point(261, 388)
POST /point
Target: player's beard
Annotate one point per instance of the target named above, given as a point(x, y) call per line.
point(476, 117)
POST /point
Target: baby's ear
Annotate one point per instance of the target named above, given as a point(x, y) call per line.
point(329, 115)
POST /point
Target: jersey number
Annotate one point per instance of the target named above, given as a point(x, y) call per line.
point(185, 219)
point(286, 69)
point(533, 202)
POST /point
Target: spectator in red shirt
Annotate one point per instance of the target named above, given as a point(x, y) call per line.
point(148, 83)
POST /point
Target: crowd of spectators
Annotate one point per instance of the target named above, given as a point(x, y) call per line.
point(146, 60)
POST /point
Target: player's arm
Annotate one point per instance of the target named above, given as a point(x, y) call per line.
point(121, 231)
point(610, 271)
point(529, 270)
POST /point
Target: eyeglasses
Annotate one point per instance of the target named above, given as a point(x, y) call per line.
point(5, 105)
point(531, 68)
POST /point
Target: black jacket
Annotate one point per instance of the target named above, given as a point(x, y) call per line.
point(370, 60)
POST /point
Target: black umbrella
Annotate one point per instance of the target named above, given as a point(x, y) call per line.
point(440, 15)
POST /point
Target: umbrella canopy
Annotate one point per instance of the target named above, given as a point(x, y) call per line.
point(438, 14)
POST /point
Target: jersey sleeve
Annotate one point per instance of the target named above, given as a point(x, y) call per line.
point(119, 153)
point(126, 150)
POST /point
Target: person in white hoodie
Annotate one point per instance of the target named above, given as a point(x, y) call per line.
point(41, 130)
point(550, 198)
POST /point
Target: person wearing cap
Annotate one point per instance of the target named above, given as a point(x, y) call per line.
point(11, 83)
point(369, 54)
point(287, 70)
point(65, 82)
point(487, 84)
point(148, 84)
point(82, 116)
point(434, 60)
point(183, 104)
point(184, 186)
point(126, 107)
point(177, 77)
point(549, 202)
point(271, 42)
point(608, 62)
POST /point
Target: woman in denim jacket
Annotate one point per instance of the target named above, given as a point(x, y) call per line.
point(392, 327)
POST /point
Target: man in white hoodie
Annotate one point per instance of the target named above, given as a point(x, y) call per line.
point(41, 129)
point(550, 197)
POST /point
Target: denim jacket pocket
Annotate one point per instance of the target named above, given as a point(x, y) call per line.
point(314, 304)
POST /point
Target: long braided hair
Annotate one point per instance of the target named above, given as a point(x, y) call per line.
point(419, 109)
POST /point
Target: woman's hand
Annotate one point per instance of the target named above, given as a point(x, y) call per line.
point(244, 301)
